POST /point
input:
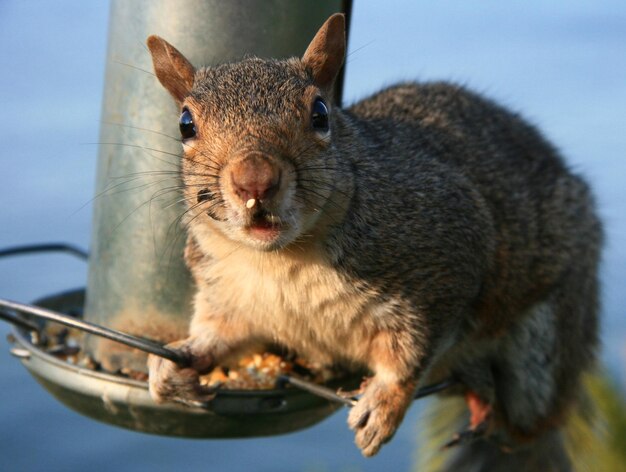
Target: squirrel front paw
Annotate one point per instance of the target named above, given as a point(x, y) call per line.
point(378, 413)
point(169, 382)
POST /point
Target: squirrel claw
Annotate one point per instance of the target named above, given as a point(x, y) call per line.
point(377, 414)
point(348, 393)
point(169, 382)
point(195, 395)
point(199, 396)
point(192, 403)
point(353, 393)
point(204, 395)
point(480, 421)
point(468, 435)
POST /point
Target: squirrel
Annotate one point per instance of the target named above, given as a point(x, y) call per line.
point(423, 232)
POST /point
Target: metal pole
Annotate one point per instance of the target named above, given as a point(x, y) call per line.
point(137, 279)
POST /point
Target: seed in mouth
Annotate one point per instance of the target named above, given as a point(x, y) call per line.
point(250, 203)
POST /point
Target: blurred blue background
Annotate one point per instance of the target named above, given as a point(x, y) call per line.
point(562, 65)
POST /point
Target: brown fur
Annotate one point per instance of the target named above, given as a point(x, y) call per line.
point(423, 232)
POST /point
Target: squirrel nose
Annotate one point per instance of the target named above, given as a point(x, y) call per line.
point(255, 177)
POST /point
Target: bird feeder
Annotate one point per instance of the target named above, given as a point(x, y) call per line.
point(138, 283)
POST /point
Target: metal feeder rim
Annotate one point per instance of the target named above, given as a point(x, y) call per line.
point(300, 386)
point(23, 349)
point(22, 343)
point(146, 345)
point(21, 327)
point(126, 402)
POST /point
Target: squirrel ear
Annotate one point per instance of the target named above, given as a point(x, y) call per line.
point(326, 53)
point(172, 69)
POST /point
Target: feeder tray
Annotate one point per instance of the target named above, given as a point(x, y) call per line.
point(126, 402)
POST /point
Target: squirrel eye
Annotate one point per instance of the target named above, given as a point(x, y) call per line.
point(186, 125)
point(319, 115)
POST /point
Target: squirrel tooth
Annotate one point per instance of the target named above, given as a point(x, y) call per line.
point(250, 203)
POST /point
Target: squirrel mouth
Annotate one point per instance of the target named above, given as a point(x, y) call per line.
point(264, 226)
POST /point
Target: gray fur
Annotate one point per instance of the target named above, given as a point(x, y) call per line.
point(466, 244)
point(463, 209)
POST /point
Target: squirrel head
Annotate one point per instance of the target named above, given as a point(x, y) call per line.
point(259, 161)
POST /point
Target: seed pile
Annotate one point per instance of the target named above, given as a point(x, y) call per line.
point(251, 372)
point(261, 371)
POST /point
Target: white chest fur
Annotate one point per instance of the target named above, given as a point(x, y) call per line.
point(294, 297)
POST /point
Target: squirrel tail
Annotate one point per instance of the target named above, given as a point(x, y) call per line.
point(591, 440)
